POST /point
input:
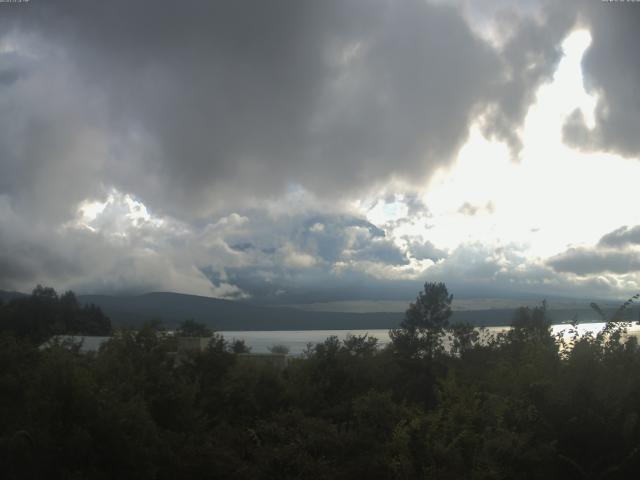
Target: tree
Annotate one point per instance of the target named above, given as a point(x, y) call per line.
point(44, 294)
point(239, 346)
point(532, 324)
point(279, 349)
point(420, 333)
point(191, 328)
point(463, 337)
point(360, 345)
point(44, 313)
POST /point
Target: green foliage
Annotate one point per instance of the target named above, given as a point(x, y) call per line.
point(192, 328)
point(444, 405)
point(463, 338)
point(279, 349)
point(239, 346)
point(420, 333)
point(44, 314)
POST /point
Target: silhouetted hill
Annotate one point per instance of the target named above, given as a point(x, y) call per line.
point(222, 315)
point(6, 296)
point(172, 308)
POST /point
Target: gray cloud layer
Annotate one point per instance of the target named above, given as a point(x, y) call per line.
point(612, 71)
point(201, 109)
point(583, 261)
point(198, 105)
point(614, 253)
point(621, 237)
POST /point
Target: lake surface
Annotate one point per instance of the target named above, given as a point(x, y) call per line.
point(296, 340)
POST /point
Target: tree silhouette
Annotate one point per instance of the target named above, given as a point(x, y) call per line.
point(420, 333)
point(192, 328)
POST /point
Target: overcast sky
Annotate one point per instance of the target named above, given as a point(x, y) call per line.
point(321, 150)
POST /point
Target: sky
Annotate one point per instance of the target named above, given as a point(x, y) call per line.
point(319, 152)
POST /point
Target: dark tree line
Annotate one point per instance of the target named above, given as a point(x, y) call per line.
point(45, 313)
point(438, 402)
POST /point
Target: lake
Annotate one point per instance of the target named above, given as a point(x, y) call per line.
point(296, 340)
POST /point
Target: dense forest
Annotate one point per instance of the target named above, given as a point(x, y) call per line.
point(522, 404)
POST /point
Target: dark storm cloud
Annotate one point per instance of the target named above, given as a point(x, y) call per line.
point(611, 69)
point(415, 206)
point(206, 104)
point(385, 252)
point(585, 261)
point(200, 109)
point(621, 237)
point(294, 257)
point(242, 247)
point(612, 254)
point(530, 55)
point(615, 253)
point(328, 236)
point(610, 66)
point(422, 250)
point(8, 77)
point(324, 238)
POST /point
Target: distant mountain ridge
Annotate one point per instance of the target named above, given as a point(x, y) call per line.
point(172, 308)
point(7, 296)
point(227, 315)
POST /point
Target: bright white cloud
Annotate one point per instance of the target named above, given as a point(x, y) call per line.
point(553, 197)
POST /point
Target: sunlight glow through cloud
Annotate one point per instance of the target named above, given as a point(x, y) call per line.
point(552, 198)
point(518, 212)
point(117, 214)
